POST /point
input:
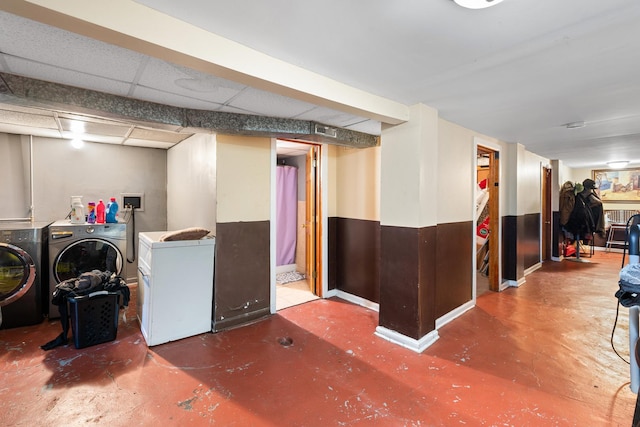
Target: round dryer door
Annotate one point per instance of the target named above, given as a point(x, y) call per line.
point(87, 255)
point(17, 273)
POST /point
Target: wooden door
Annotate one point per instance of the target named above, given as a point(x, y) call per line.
point(312, 221)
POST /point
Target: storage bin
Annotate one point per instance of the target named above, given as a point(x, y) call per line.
point(94, 318)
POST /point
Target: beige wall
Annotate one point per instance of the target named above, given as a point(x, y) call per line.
point(243, 178)
point(409, 160)
point(357, 174)
point(530, 183)
point(191, 183)
point(456, 171)
point(331, 179)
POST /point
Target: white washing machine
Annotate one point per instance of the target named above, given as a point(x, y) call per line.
point(77, 248)
point(175, 287)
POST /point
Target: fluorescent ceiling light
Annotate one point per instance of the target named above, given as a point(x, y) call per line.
point(618, 164)
point(477, 4)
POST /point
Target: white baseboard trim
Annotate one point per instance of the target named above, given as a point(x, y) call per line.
point(357, 300)
point(331, 293)
point(404, 341)
point(454, 314)
point(515, 283)
point(533, 268)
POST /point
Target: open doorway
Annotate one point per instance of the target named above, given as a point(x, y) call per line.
point(546, 213)
point(487, 215)
point(297, 229)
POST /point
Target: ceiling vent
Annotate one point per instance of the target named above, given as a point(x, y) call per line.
point(327, 131)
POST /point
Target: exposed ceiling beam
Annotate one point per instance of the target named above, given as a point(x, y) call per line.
point(27, 92)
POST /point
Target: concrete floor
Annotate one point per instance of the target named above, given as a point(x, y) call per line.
point(538, 355)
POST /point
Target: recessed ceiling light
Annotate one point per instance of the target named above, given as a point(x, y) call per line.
point(477, 4)
point(618, 164)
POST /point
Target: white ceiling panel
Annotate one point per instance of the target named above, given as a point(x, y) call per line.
point(65, 76)
point(157, 135)
point(149, 144)
point(167, 98)
point(330, 117)
point(92, 137)
point(45, 44)
point(269, 104)
point(31, 119)
point(184, 82)
point(27, 129)
point(371, 127)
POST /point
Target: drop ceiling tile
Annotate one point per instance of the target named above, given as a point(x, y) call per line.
point(28, 119)
point(175, 79)
point(331, 117)
point(92, 137)
point(35, 41)
point(65, 76)
point(269, 104)
point(160, 97)
point(372, 127)
point(148, 144)
point(89, 127)
point(28, 130)
point(157, 135)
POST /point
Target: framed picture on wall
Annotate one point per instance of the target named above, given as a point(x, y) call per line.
point(618, 185)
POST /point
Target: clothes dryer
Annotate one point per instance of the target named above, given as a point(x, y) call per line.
point(77, 248)
point(23, 272)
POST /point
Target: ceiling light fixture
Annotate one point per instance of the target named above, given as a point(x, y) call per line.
point(77, 143)
point(618, 164)
point(477, 4)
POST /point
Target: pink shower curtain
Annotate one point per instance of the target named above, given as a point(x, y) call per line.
point(286, 214)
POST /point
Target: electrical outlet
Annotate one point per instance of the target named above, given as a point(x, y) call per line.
point(132, 200)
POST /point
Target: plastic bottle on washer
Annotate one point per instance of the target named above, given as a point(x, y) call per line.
point(91, 212)
point(112, 211)
point(100, 208)
point(77, 210)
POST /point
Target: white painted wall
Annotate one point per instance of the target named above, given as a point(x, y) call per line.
point(409, 173)
point(191, 183)
point(97, 171)
point(14, 176)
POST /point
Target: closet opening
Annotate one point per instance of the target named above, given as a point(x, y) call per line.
point(298, 228)
point(487, 216)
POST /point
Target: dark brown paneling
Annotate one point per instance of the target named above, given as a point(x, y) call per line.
point(509, 248)
point(407, 280)
point(557, 236)
point(454, 266)
point(531, 239)
point(354, 257)
point(242, 283)
point(520, 244)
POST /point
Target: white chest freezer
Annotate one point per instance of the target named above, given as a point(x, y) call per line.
point(175, 287)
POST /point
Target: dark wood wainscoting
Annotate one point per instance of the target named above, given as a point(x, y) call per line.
point(242, 281)
point(354, 257)
point(454, 265)
point(407, 280)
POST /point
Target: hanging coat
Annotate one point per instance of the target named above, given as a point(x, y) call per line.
point(567, 201)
